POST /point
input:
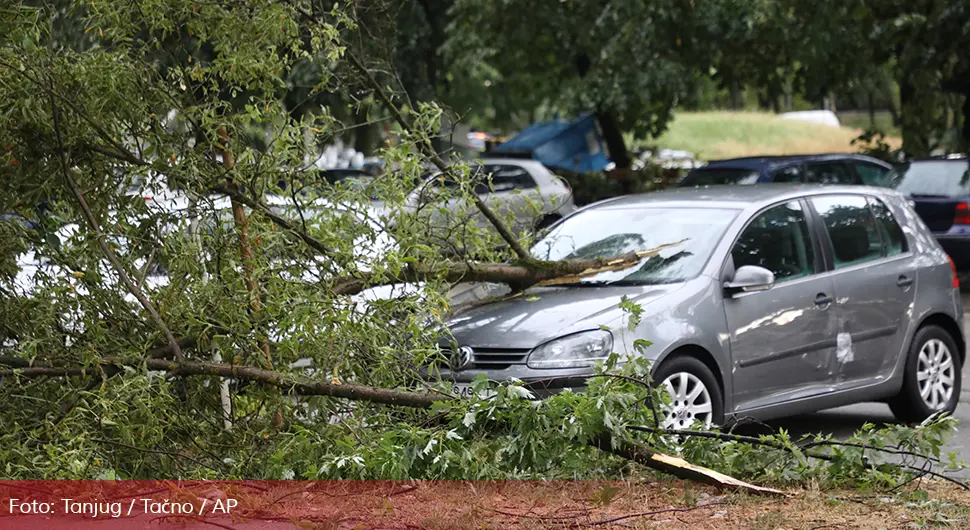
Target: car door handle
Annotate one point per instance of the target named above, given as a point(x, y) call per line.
point(904, 281)
point(823, 299)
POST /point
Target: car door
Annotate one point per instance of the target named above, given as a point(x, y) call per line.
point(782, 339)
point(875, 283)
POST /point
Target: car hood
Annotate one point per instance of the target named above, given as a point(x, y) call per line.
point(541, 314)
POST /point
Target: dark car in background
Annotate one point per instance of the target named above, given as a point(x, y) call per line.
point(940, 191)
point(810, 169)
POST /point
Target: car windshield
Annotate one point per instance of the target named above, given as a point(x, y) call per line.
point(939, 178)
point(688, 237)
point(715, 176)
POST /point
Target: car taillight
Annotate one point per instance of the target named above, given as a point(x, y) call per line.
point(953, 271)
point(962, 214)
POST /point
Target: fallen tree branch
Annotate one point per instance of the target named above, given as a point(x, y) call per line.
point(677, 467)
point(534, 273)
point(778, 445)
point(246, 254)
point(99, 236)
point(811, 454)
point(273, 217)
point(628, 449)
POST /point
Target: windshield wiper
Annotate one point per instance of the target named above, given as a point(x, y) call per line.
point(928, 196)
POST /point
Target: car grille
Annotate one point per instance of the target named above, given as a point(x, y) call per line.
point(493, 358)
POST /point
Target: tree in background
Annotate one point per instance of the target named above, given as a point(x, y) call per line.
point(629, 62)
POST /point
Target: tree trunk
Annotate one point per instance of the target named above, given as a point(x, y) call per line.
point(737, 103)
point(613, 136)
point(915, 142)
point(609, 126)
point(363, 134)
point(870, 97)
point(965, 130)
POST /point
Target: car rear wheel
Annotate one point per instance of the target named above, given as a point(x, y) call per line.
point(931, 383)
point(695, 396)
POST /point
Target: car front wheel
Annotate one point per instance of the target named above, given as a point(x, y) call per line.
point(695, 396)
point(931, 383)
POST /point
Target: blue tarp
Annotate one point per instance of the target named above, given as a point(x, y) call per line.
point(576, 146)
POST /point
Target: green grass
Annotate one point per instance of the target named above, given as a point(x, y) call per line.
point(860, 120)
point(716, 135)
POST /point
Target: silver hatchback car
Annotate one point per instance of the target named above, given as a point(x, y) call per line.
point(766, 301)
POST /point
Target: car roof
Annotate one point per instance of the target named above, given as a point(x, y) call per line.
point(735, 197)
point(757, 163)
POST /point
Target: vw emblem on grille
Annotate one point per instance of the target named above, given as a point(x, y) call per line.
point(462, 358)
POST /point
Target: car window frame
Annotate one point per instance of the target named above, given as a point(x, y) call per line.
point(829, 250)
point(811, 218)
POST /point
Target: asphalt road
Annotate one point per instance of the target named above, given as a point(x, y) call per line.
point(843, 421)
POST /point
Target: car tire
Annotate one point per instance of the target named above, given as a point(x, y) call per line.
point(933, 354)
point(685, 371)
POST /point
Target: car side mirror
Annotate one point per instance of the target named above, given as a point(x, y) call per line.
point(750, 278)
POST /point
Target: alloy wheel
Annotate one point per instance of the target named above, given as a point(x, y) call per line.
point(935, 374)
point(690, 402)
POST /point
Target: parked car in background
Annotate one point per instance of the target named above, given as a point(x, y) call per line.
point(535, 196)
point(810, 169)
point(940, 191)
point(767, 301)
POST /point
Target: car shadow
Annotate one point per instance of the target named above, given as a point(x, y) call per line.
point(841, 422)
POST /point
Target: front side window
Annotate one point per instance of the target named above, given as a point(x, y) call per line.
point(777, 239)
point(685, 239)
point(891, 231)
point(851, 228)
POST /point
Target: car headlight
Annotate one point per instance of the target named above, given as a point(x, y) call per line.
point(573, 351)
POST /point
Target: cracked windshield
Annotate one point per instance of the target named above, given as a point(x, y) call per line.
point(677, 242)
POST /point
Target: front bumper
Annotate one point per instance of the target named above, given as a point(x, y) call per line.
point(542, 383)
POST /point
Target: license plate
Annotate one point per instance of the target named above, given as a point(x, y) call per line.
point(463, 390)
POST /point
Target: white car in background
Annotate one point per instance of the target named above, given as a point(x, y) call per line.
point(534, 196)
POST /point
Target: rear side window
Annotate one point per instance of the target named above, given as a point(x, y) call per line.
point(851, 228)
point(891, 231)
point(793, 174)
point(717, 176)
point(872, 174)
point(831, 173)
point(936, 178)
